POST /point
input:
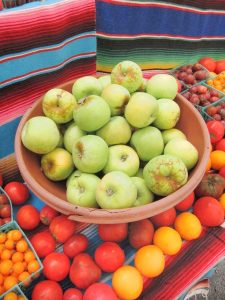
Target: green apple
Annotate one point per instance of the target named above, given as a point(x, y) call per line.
point(72, 134)
point(122, 158)
point(81, 189)
point(164, 174)
point(117, 97)
point(58, 105)
point(147, 142)
point(104, 80)
point(86, 86)
point(90, 153)
point(162, 86)
point(92, 113)
point(57, 165)
point(184, 150)
point(168, 114)
point(141, 110)
point(172, 133)
point(116, 131)
point(40, 135)
point(143, 86)
point(116, 190)
point(128, 74)
point(144, 195)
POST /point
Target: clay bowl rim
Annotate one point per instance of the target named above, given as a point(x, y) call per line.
point(99, 215)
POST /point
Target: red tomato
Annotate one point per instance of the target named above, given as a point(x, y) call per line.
point(220, 66)
point(209, 211)
point(47, 290)
point(216, 130)
point(75, 245)
point(109, 256)
point(220, 145)
point(28, 217)
point(56, 266)
point(62, 228)
point(17, 192)
point(43, 243)
point(222, 172)
point(1, 180)
point(3, 199)
point(186, 203)
point(165, 218)
point(6, 220)
point(5, 211)
point(72, 294)
point(209, 63)
point(113, 232)
point(99, 291)
point(47, 214)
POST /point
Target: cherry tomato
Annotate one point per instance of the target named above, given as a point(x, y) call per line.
point(3, 199)
point(5, 211)
point(17, 192)
point(113, 232)
point(216, 130)
point(62, 228)
point(43, 243)
point(56, 266)
point(109, 256)
point(75, 245)
point(99, 291)
point(47, 290)
point(186, 203)
point(47, 214)
point(72, 294)
point(28, 217)
point(165, 218)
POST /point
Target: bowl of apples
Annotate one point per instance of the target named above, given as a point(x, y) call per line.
point(112, 149)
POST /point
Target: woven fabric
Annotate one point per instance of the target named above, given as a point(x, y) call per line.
point(159, 34)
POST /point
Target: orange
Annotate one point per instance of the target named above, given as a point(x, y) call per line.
point(17, 256)
point(208, 166)
point(2, 247)
point(21, 246)
point(9, 282)
point(127, 282)
point(6, 267)
point(33, 266)
point(18, 268)
point(16, 235)
point(168, 240)
point(222, 201)
point(188, 226)
point(6, 254)
point(150, 261)
point(25, 278)
point(29, 256)
point(9, 244)
point(3, 237)
point(217, 159)
point(9, 235)
point(11, 296)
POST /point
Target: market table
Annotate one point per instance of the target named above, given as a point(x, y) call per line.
point(35, 57)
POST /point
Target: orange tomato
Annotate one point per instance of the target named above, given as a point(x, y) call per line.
point(18, 268)
point(25, 278)
point(188, 226)
point(150, 261)
point(6, 254)
point(9, 244)
point(168, 240)
point(11, 296)
point(9, 282)
point(217, 159)
point(16, 235)
point(17, 256)
point(127, 282)
point(20, 297)
point(33, 266)
point(3, 237)
point(21, 246)
point(6, 267)
point(29, 256)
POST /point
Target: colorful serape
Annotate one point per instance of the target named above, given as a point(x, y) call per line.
point(159, 34)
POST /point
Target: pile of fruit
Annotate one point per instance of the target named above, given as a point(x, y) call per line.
point(113, 139)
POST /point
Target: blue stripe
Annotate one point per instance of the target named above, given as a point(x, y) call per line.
point(50, 58)
point(121, 19)
point(7, 136)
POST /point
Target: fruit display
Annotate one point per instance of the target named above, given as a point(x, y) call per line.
point(191, 74)
point(217, 82)
point(99, 138)
point(212, 65)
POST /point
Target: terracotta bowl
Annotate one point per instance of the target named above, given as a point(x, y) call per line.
point(54, 194)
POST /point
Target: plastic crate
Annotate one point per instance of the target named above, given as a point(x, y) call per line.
point(214, 78)
point(17, 290)
point(206, 116)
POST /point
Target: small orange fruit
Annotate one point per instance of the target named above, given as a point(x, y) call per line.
point(6, 254)
point(11, 296)
point(6, 267)
point(33, 266)
point(127, 282)
point(217, 159)
point(150, 261)
point(188, 226)
point(9, 244)
point(29, 256)
point(25, 278)
point(18, 268)
point(3, 237)
point(21, 246)
point(168, 240)
point(9, 282)
point(16, 235)
point(17, 256)
point(20, 297)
